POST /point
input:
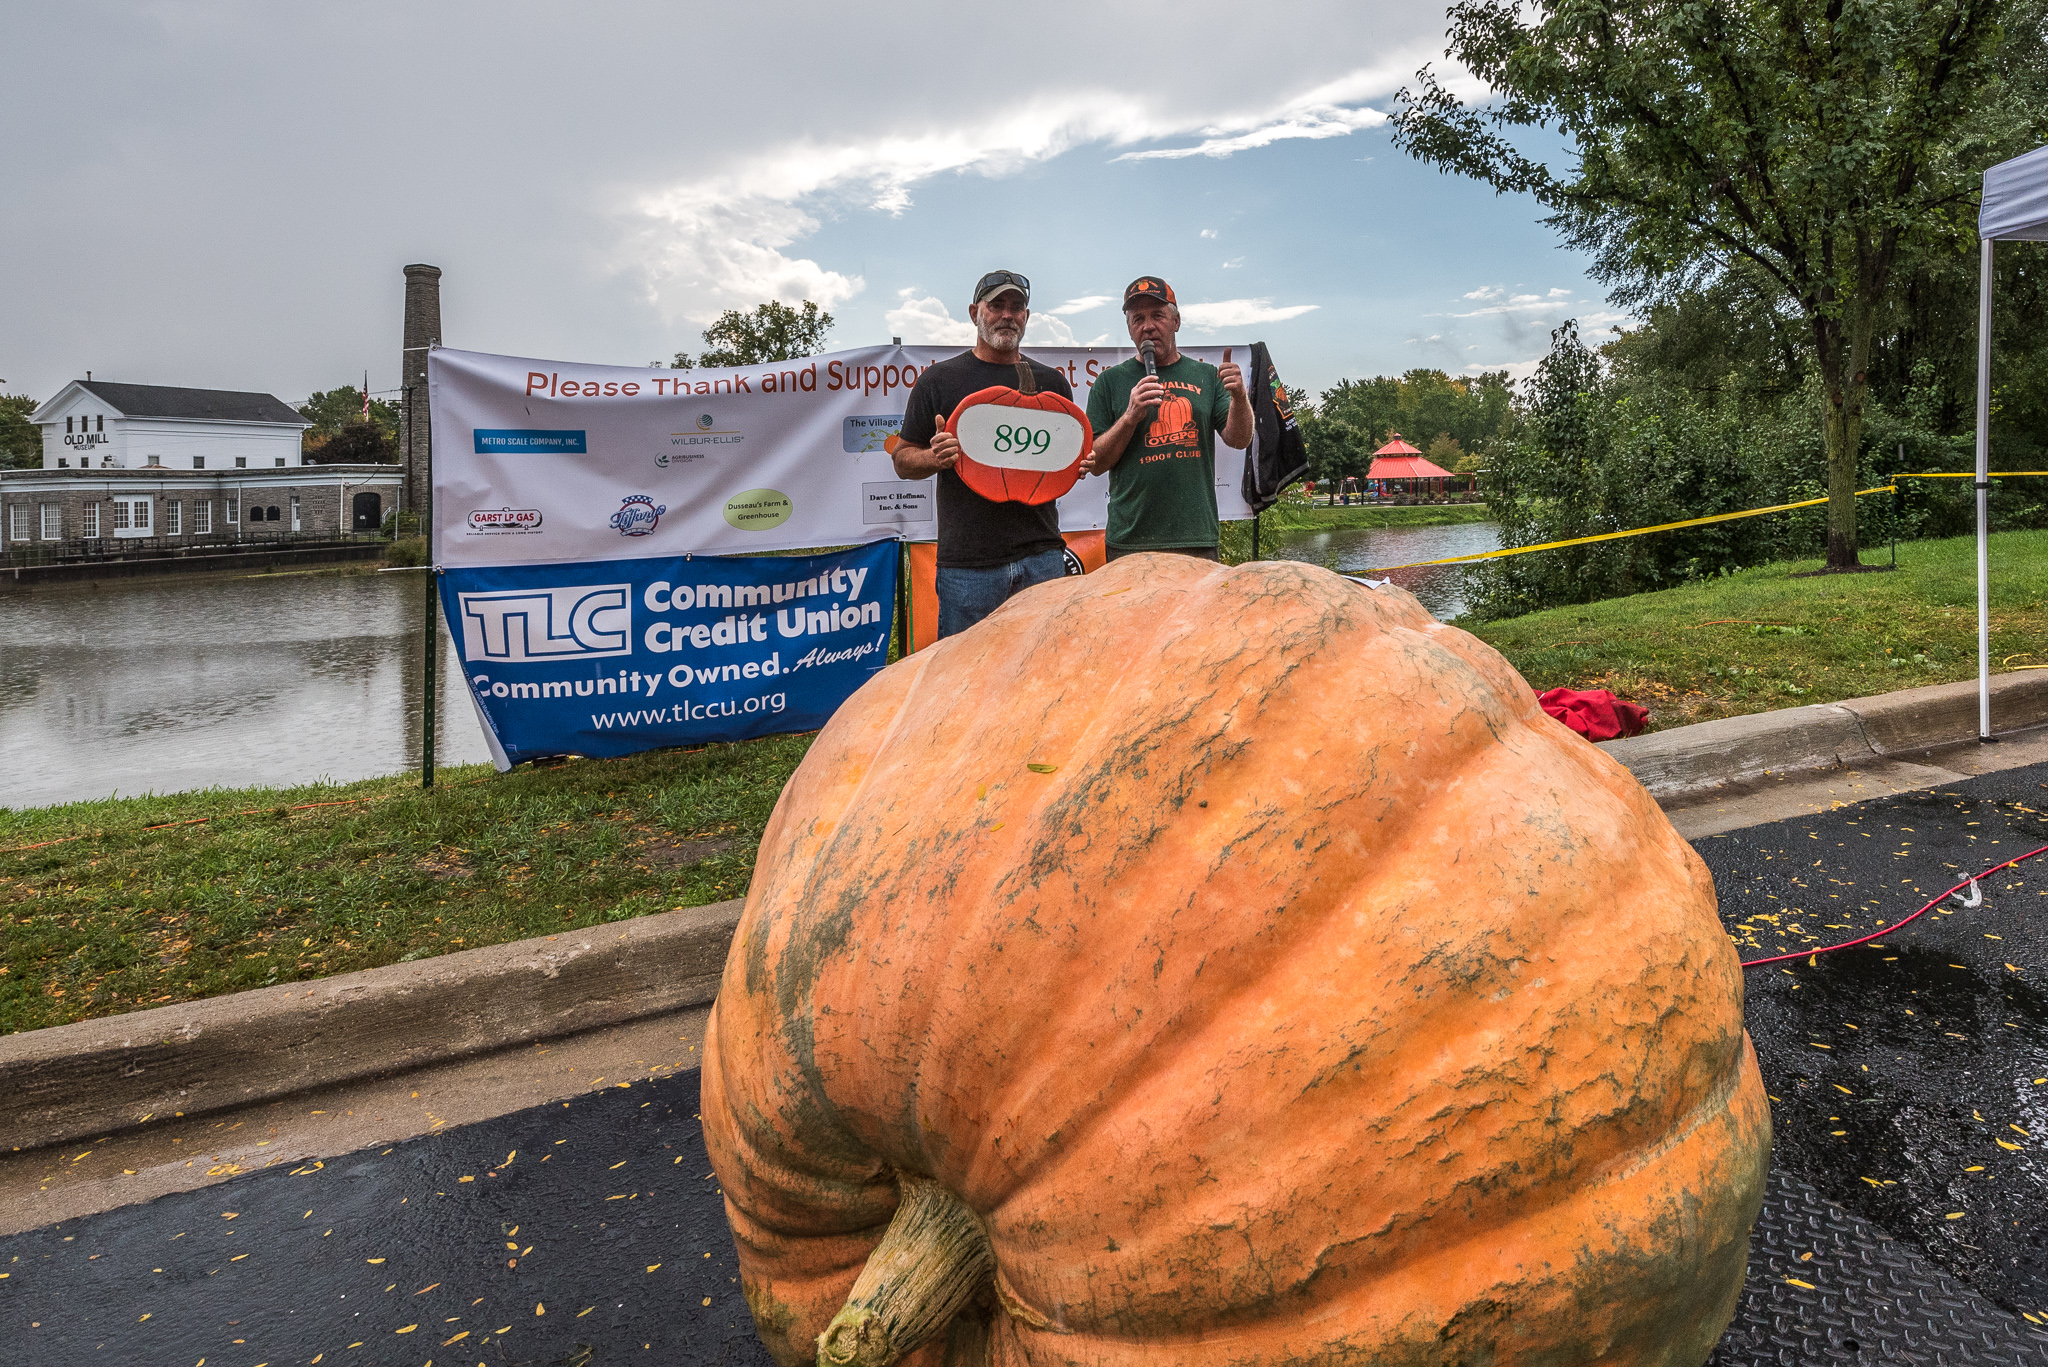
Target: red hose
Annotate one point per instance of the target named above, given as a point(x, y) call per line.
point(1932, 903)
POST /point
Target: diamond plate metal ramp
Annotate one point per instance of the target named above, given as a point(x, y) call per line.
point(1873, 1299)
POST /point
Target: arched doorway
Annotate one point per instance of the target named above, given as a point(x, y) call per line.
point(367, 513)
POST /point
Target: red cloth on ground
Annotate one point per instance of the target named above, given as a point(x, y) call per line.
point(1595, 714)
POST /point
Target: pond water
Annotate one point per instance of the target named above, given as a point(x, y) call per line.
point(167, 685)
point(1355, 550)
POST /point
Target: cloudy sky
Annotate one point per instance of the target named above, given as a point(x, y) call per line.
point(214, 193)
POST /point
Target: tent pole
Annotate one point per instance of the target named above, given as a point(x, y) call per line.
point(1983, 491)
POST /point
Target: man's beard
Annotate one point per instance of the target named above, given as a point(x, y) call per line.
point(1001, 337)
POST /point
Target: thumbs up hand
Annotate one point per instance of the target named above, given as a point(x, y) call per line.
point(1232, 378)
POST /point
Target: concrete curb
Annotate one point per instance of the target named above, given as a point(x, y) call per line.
point(1688, 760)
point(70, 1082)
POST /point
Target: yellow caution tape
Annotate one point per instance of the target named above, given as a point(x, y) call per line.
point(1616, 536)
point(1972, 474)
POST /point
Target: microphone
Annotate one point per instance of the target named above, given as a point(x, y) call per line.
point(1151, 365)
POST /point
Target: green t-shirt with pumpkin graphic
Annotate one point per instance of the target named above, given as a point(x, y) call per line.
point(1162, 492)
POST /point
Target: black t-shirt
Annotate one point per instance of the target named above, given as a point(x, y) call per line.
point(973, 532)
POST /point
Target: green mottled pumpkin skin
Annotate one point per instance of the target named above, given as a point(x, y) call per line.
point(1276, 982)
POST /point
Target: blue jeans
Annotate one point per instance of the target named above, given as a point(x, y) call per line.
point(968, 595)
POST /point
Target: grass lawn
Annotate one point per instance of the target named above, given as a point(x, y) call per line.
point(256, 886)
point(121, 917)
point(1763, 639)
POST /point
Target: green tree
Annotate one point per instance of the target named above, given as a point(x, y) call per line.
point(21, 441)
point(772, 332)
point(332, 410)
point(1357, 417)
point(1821, 142)
point(359, 443)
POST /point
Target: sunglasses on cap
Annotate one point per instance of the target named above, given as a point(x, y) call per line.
point(995, 282)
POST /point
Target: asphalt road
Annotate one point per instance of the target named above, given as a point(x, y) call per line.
point(1903, 1077)
point(569, 1234)
point(1909, 1077)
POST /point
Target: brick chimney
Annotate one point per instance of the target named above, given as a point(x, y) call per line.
point(422, 330)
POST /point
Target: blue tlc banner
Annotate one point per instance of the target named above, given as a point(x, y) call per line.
point(613, 657)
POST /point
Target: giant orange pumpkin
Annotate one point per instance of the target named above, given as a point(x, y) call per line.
point(1228, 966)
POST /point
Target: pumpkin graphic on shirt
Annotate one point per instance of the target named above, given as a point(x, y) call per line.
point(1173, 424)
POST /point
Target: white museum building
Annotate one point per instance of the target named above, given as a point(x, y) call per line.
point(99, 425)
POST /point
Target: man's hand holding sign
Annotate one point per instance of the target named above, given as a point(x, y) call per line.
point(1019, 445)
point(1005, 440)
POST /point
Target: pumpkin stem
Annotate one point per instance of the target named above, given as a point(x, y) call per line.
point(933, 1262)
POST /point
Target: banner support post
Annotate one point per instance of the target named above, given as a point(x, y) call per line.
point(902, 599)
point(1255, 534)
point(431, 638)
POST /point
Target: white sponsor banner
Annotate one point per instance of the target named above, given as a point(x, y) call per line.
point(548, 462)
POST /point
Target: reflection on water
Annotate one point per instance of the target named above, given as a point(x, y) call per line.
point(1355, 550)
point(176, 684)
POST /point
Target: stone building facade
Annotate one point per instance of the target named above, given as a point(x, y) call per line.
point(98, 509)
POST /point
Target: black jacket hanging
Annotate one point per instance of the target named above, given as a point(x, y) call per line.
point(1277, 456)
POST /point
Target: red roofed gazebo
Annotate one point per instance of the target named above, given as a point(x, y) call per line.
point(1397, 460)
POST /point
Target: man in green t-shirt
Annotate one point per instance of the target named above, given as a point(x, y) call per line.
point(1156, 434)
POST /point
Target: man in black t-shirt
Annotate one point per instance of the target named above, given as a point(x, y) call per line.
point(987, 550)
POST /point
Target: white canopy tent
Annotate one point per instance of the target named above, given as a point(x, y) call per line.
point(2014, 209)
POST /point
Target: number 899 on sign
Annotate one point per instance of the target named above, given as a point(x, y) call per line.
point(1021, 440)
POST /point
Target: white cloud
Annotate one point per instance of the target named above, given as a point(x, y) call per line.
point(1233, 263)
point(1046, 330)
point(723, 240)
point(1521, 322)
point(1232, 313)
point(1546, 311)
point(923, 320)
point(1518, 371)
point(1209, 232)
point(1081, 305)
point(1307, 123)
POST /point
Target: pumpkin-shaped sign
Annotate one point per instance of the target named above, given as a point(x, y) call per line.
point(1020, 445)
point(1104, 996)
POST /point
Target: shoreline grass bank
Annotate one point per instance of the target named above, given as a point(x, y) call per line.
point(235, 889)
point(1764, 638)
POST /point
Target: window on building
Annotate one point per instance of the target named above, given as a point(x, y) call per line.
point(63, 464)
point(199, 462)
point(100, 423)
point(234, 509)
point(295, 512)
point(280, 460)
point(202, 517)
point(17, 522)
point(92, 521)
point(174, 517)
point(53, 522)
point(241, 462)
point(141, 509)
point(120, 514)
point(67, 427)
point(156, 460)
